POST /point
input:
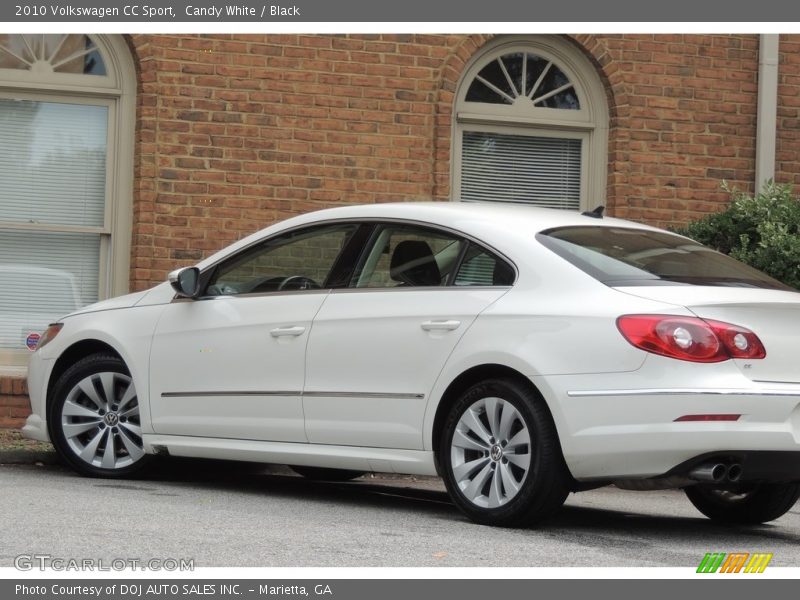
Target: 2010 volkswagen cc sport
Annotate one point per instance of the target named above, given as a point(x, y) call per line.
point(520, 353)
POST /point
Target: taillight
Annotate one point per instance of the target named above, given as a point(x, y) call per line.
point(690, 338)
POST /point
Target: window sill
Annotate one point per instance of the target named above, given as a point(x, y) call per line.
point(13, 372)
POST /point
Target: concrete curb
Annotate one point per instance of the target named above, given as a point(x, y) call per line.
point(18, 456)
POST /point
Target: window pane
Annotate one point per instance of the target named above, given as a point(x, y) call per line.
point(522, 77)
point(77, 54)
point(479, 267)
point(553, 80)
point(59, 53)
point(534, 67)
point(11, 61)
point(52, 162)
point(542, 171)
point(492, 86)
point(409, 256)
point(297, 261)
point(44, 276)
point(618, 256)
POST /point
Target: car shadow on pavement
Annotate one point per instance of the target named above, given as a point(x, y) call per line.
point(582, 524)
point(397, 493)
point(579, 521)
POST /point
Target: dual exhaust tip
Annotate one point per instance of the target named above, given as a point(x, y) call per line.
point(717, 473)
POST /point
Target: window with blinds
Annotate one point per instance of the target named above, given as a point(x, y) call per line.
point(530, 125)
point(67, 128)
point(52, 162)
point(52, 212)
point(542, 171)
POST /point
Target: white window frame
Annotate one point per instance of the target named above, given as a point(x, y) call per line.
point(588, 123)
point(117, 91)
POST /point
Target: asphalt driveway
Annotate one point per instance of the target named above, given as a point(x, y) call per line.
point(238, 515)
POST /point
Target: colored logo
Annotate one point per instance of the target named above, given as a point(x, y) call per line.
point(738, 562)
point(32, 341)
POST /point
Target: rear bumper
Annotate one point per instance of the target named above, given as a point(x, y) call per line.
point(623, 425)
point(757, 466)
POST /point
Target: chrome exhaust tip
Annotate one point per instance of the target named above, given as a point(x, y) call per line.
point(713, 472)
point(734, 472)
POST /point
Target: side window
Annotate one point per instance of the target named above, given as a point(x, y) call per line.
point(479, 267)
point(409, 256)
point(300, 260)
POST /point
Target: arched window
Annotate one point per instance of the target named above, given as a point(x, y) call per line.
point(531, 126)
point(67, 116)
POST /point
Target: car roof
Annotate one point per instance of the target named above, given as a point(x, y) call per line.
point(531, 218)
point(488, 221)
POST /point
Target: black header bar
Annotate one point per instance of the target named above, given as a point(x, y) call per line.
point(405, 11)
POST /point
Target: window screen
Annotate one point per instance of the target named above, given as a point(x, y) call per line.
point(52, 176)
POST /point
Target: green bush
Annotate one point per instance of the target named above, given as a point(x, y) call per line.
point(762, 231)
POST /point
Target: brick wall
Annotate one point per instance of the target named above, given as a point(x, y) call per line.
point(787, 152)
point(14, 403)
point(687, 122)
point(237, 131)
point(235, 134)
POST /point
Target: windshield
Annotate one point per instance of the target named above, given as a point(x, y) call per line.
point(618, 256)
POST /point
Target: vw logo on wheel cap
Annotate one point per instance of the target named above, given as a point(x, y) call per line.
point(111, 419)
point(496, 453)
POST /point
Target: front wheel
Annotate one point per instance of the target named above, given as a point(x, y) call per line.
point(500, 456)
point(746, 504)
point(94, 418)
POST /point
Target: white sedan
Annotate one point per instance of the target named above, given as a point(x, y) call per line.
point(520, 353)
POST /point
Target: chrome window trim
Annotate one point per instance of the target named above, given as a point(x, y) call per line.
point(326, 291)
point(421, 288)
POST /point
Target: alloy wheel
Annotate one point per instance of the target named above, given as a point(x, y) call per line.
point(490, 453)
point(100, 421)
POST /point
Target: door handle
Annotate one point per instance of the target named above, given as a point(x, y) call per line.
point(283, 331)
point(440, 325)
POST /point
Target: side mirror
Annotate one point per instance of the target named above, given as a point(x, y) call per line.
point(185, 282)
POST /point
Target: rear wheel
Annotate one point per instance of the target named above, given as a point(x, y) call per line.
point(744, 503)
point(94, 418)
point(322, 474)
point(500, 456)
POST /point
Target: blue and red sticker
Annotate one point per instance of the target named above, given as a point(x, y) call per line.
point(32, 341)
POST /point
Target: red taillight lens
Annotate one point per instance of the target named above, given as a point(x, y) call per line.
point(738, 341)
point(690, 338)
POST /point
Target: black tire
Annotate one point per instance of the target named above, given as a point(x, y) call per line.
point(323, 474)
point(96, 369)
point(745, 504)
point(540, 491)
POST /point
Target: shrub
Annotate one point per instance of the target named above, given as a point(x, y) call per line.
point(762, 231)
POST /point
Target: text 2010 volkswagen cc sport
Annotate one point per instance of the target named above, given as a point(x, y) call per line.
point(520, 353)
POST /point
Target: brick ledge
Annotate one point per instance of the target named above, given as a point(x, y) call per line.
point(15, 406)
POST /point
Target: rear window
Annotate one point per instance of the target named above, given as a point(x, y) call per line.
point(619, 256)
